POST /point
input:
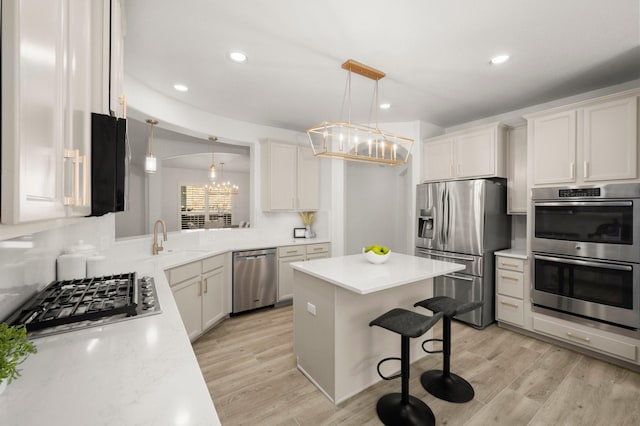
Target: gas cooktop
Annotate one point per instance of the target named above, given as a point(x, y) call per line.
point(69, 305)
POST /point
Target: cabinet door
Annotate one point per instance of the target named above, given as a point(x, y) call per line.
point(33, 95)
point(610, 140)
point(213, 297)
point(78, 114)
point(475, 154)
point(188, 297)
point(282, 174)
point(518, 196)
point(308, 188)
point(437, 160)
point(554, 148)
point(285, 276)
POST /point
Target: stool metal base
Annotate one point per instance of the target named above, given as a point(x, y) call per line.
point(391, 411)
point(451, 387)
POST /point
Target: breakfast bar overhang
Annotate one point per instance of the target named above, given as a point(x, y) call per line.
point(334, 301)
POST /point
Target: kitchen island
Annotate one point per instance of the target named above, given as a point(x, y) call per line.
point(334, 301)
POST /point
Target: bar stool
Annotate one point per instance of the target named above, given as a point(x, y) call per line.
point(443, 383)
point(402, 408)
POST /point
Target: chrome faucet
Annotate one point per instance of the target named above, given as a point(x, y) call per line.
point(158, 248)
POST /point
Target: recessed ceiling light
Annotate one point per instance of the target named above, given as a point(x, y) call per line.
point(500, 59)
point(180, 87)
point(238, 56)
point(385, 106)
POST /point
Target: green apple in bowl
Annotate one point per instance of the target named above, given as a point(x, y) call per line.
point(376, 253)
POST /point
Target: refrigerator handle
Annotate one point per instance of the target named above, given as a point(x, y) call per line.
point(442, 215)
point(449, 210)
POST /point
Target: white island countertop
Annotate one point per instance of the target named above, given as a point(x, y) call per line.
point(356, 274)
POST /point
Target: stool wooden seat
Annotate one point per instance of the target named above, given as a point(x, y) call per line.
point(443, 383)
point(402, 408)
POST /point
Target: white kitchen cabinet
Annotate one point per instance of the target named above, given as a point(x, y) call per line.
point(286, 256)
point(438, 160)
point(622, 347)
point(214, 294)
point(594, 141)
point(610, 140)
point(512, 301)
point(291, 177)
point(297, 253)
point(46, 79)
point(188, 295)
point(472, 153)
point(201, 290)
point(517, 193)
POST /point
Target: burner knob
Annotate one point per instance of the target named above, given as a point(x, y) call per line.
point(148, 301)
point(147, 292)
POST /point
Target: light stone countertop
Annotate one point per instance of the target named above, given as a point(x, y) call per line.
point(513, 252)
point(356, 274)
point(141, 371)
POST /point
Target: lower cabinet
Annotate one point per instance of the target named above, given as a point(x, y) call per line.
point(587, 337)
point(201, 291)
point(511, 297)
point(298, 253)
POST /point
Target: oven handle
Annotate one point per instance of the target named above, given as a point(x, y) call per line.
point(584, 203)
point(585, 263)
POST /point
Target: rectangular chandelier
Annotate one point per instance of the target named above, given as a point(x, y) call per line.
point(348, 141)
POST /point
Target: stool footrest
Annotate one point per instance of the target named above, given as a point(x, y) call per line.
point(427, 350)
point(385, 360)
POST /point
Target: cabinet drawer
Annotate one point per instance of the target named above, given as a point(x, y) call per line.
point(510, 310)
point(585, 339)
point(184, 272)
point(510, 283)
point(510, 263)
point(291, 251)
point(317, 248)
point(211, 263)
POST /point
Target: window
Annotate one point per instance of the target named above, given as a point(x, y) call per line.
point(201, 209)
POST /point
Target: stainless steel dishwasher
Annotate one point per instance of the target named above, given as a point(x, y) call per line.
point(255, 279)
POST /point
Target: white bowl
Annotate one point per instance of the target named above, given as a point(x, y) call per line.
point(376, 258)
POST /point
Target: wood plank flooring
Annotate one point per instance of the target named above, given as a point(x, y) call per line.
point(250, 369)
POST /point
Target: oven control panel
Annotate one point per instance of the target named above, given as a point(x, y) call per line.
point(579, 192)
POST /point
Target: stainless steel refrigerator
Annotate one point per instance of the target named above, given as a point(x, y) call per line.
point(464, 222)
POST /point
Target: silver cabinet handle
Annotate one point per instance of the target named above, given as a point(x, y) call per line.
point(504, 277)
point(586, 168)
point(199, 288)
point(572, 171)
point(513, 305)
point(573, 336)
point(513, 265)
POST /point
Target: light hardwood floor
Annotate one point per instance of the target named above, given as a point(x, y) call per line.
point(250, 369)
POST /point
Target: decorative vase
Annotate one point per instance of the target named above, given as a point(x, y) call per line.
point(307, 232)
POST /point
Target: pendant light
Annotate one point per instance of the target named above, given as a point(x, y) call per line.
point(150, 161)
point(348, 141)
point(212, 167)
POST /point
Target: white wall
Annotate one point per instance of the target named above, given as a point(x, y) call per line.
point(131, 222)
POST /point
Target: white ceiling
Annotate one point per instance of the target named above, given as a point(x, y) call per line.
point(435, 54)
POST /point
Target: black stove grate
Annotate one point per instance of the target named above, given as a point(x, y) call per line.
point(70, 301)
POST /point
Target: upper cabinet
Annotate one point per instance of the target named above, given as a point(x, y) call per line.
point(46, 103)
point(53, 77)
point(596, 141)
point(291, 177)
point(472, 153)
point(517, 194)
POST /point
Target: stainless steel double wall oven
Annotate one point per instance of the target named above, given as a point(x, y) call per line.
point(586, 252)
